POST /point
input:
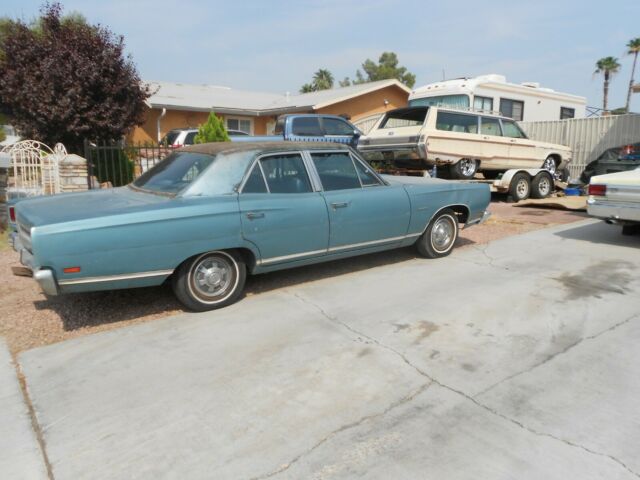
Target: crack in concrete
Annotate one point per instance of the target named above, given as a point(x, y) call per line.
point(348, 426)
point(433, 380)
point(556, 354)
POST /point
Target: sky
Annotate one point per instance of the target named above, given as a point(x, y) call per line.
point(277, 45)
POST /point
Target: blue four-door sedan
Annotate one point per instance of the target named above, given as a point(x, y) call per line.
point(210, 214)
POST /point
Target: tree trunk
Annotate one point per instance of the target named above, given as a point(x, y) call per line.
point(605, 96)
point(633, 70)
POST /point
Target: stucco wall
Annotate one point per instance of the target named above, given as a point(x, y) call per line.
point(368, 104)
point(355, 108)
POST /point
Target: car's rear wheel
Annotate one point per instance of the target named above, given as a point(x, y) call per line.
point(464, 169)
point(211, 280)
point(439, 237)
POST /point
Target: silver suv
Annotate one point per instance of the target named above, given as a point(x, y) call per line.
point(180, 137)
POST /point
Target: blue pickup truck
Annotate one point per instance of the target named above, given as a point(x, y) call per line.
point(309, 128)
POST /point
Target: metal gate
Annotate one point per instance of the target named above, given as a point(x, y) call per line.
point(33, 168)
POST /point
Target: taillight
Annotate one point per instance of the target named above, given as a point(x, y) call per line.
point(12, 214)
point(598, 190)
point(176, 145)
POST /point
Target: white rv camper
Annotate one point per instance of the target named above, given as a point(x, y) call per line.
point(526, 102)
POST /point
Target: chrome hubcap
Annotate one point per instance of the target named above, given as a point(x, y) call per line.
point(212, 277)
point(442, 233)
point(549, 165)
point(468, 167)
point(544, 187)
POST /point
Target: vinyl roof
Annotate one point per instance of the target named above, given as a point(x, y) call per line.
point(182, 96)
point(227, 147)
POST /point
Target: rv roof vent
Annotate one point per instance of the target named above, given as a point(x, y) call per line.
point(530, 84)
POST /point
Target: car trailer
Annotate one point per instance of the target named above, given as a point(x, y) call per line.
point(523, 183)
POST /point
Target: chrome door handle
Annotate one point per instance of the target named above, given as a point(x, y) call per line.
point(254, 215)
point(340, 205)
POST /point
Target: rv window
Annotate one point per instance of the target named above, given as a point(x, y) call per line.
point(566, 112)
point(512, 108)
point(490, 126)
point(484, 104)
point(459, 101)
point(406, 117)
point(511, 129)
point(457, 122)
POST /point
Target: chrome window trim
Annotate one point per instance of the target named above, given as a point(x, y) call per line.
point(337, 150)
point(289, 153)
point(248, 174)
point(115, 278)
point(381, 182)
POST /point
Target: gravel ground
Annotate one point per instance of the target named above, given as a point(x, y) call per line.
point(29, 319)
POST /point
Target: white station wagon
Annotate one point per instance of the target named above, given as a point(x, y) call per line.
point(615, 198)
point(466, 142)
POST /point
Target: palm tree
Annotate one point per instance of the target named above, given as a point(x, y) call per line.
point(633, 49)
point(323, 79)
point(607, 66)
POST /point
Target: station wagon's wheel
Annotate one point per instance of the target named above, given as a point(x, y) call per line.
point(211, 280)
point(439, 237)
point(520, 187)
point(541, 185)
point(465, 169)
point(550, 165)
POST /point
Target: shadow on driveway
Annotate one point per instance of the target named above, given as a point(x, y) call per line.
point(601, 233)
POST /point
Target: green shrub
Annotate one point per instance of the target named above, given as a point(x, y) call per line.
point(111, 164)
point(212, 131)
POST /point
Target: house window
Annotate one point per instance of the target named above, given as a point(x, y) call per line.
point(512, 108)
point(566, 112)
point(241, 124)
point(483, 103)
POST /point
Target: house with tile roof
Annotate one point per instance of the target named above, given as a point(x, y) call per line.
point(179, 105)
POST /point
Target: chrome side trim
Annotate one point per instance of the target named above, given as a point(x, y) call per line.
point(115, 278)
point(364, 244)
point(290, 257)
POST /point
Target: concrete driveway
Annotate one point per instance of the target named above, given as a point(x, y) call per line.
point(514, 360)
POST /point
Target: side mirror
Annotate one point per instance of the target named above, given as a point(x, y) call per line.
point(357, 133)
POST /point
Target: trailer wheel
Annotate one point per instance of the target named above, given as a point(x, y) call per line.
point(541, 185)
point(464, 169)
point(520, 187)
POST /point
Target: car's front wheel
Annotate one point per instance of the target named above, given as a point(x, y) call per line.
point(439, 237)
point(211, 280)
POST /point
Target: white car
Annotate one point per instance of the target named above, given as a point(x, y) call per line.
point(464, 141)
point(180, 137)
point(615, 198)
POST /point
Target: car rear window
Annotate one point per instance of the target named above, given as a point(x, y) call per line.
point(170, 138)
point(404, 118)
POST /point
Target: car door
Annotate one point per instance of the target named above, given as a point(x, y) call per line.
point(495, 147)
point(339, 131)
point(280, 211)
point(363, 210)
point(522, 151)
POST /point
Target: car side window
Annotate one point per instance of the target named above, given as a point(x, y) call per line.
point(511, 129)
point(367, 177)
point(286, 173)
point(255, 181)
point(190, 138)
point(334, 126)
point(456, 122)
point(336, 170)
point(490, 126)
point(306, 127)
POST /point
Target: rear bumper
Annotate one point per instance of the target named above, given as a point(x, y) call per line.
point(477, 221)
point(614, 212)
point(44, 276)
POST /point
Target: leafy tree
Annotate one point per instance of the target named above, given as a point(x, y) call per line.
point(322, 80)
point(633, 48)
point(346, 82)
point(386, 68)
point(3, 121)
point(63, 80)
point(212, 131)
point(607, 66)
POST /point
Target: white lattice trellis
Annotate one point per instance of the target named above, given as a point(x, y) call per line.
point(35, 168)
